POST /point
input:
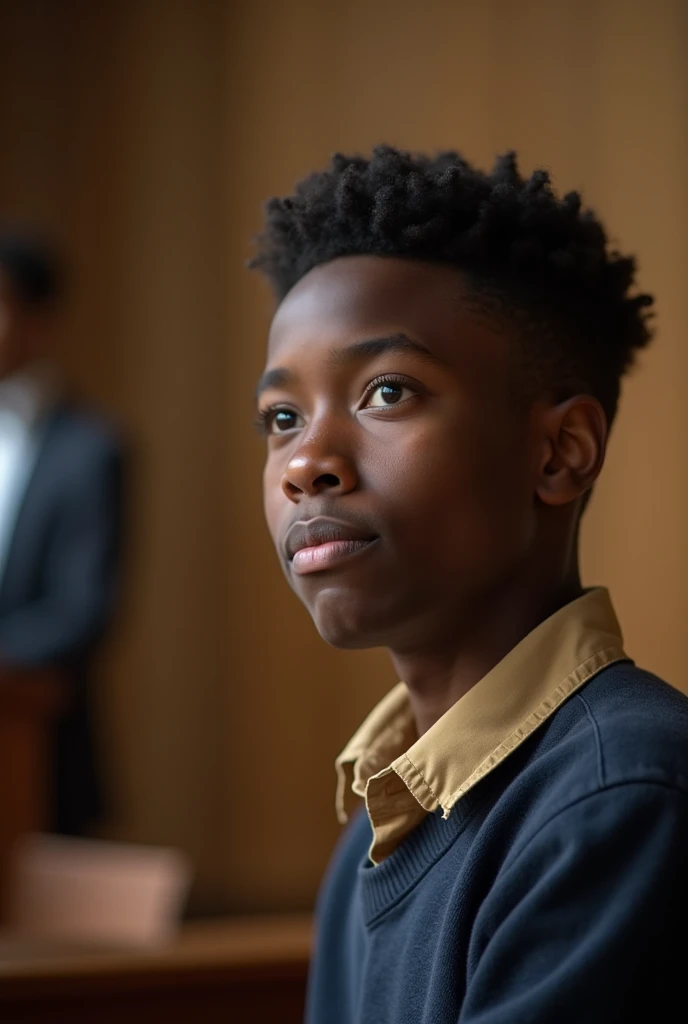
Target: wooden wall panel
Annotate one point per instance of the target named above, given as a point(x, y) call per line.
point(147, 134)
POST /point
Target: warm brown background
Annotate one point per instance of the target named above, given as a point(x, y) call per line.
point(145, 133)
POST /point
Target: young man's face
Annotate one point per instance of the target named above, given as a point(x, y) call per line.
point(399, 481)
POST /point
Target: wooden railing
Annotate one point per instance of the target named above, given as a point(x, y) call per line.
point(248, 970)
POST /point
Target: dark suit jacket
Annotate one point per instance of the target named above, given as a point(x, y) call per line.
point(58, 587)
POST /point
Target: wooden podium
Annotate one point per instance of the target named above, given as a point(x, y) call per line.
point(29, 702)
point(237, 969)
point(249, 970)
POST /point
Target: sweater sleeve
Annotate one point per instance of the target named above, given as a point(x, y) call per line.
point(587, 922)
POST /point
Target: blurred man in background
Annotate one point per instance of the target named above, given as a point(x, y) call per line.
point(60, 517)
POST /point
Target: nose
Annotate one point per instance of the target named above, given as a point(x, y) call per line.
point(313, 470)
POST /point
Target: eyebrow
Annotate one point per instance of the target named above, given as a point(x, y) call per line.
point(277, 378)
point(360, 350)
point(371, 347)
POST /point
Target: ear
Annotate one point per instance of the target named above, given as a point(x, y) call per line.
point(574, 444)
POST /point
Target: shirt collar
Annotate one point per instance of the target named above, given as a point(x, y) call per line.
point(402, 777)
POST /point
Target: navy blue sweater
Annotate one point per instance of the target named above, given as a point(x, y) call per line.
point(557, 890)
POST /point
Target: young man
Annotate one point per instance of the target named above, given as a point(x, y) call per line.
point(443, 370)
point(60, 522)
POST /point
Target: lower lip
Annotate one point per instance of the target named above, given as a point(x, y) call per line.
point(326, 556)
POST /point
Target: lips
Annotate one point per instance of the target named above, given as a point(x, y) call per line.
point(320, 543)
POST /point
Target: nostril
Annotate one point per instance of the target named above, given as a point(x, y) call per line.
point(328, 480)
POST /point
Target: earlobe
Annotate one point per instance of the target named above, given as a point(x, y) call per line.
point(573, 450)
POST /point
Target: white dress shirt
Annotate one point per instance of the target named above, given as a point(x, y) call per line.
point(25, 398)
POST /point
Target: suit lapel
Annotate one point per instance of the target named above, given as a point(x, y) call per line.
point(25, 545)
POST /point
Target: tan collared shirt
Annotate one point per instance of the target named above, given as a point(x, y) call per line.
point(402, 778)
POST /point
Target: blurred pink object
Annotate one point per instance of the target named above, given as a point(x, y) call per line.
point(86, 891)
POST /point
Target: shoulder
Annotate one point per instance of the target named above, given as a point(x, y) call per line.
point(81, 458)
point(619, 742)
point(77, 428)
point(639, 726)
point(624, 725)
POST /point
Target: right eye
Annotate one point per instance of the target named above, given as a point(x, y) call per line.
point(278, 420)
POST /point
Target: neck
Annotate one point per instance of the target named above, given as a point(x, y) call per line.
point(443, 667)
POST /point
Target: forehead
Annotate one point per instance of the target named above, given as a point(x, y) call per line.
point(357, 297)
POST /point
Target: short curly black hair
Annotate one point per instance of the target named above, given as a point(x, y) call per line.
point(540, 263)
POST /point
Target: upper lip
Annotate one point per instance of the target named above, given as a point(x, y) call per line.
point(306, 533)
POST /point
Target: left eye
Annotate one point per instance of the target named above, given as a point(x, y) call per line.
point(388, 394)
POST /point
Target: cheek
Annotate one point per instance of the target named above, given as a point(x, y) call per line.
point(456, 495)
point(274, 499)
point(497, 494)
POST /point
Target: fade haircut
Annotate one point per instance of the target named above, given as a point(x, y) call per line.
point(539, 263)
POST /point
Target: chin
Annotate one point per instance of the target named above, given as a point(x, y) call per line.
point(347, 622)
